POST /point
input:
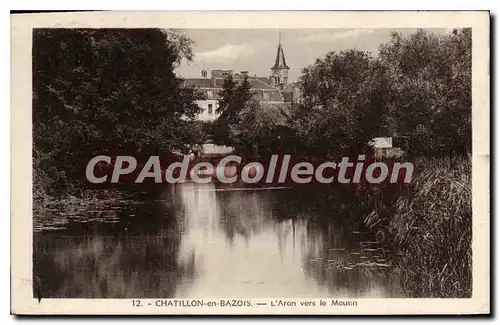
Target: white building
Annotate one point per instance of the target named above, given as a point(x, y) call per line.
point(209, 109)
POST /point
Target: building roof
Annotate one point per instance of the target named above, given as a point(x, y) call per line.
point(267, 95)
point(256, 83)
point(200, 83)
point(210, 88)
point(263, 79)
point(272, 95)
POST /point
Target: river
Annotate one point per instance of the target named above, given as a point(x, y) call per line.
point(204, 240)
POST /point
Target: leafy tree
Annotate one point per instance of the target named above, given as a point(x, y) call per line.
point(261, 128)
point(343, 103)
point(430, 90)
point(234, 96)
point(98, 90)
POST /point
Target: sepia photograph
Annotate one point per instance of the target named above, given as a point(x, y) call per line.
point(200, 168)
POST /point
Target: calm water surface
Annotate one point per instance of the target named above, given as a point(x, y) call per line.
point(201, 240)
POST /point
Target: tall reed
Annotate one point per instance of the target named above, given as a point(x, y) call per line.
point(430, 224)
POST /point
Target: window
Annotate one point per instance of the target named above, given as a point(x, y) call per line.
point(265, 96)
point(210, 109)
point(209, 93)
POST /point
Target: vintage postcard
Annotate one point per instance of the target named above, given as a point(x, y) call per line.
point(307, 163)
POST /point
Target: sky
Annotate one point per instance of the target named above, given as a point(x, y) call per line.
point(254, 50)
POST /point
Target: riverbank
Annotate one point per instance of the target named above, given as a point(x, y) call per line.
point(429, 224)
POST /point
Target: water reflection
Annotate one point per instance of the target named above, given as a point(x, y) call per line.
point(201, 240)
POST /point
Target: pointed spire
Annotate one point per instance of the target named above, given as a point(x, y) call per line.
point(280, 62)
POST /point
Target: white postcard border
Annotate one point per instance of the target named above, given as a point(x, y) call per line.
point(21, 158)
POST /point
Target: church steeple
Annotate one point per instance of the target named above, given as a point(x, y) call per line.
point(280, 69)
point(280, 62)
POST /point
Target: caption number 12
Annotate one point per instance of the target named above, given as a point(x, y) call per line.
point(136, 303)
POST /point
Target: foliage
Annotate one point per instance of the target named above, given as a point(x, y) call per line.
point(234, 96)
point(261, 128)
point(98, 90)
point(343, 103)
point(430, 90)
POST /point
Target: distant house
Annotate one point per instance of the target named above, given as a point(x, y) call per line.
point(210, 90)
point(381, 143)
point(383, 148)
point(274, 89)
